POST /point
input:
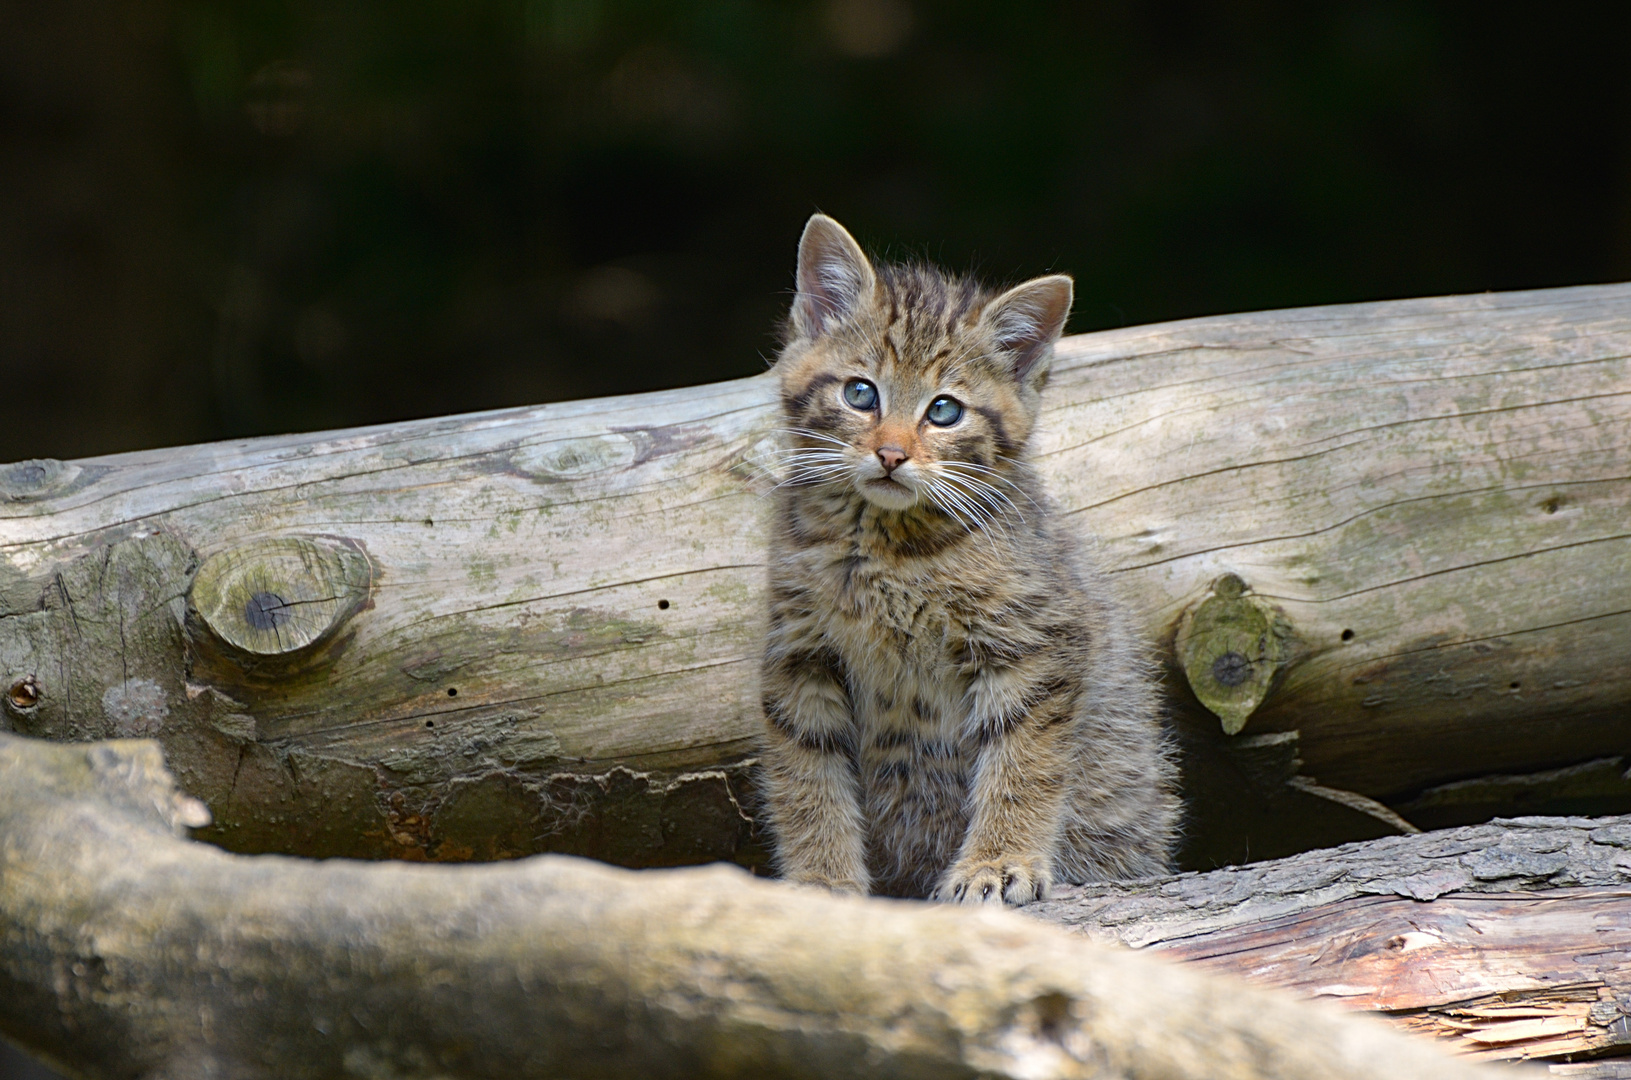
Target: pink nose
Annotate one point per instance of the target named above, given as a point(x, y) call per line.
point(891, 458)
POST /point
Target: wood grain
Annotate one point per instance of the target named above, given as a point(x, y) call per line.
point(1505, 976)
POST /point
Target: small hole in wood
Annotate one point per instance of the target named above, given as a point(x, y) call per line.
point(24, 693)
point(1551, 505)
point(1515, 686)
point(662, 605)
point(1347, 635)
point(430, 723)
point(453, 691)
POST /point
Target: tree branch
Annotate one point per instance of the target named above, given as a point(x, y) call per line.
point(130, 952)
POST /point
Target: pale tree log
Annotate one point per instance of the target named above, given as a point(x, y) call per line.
point(128, 952)
point(1510, 940)
point(1387, 543)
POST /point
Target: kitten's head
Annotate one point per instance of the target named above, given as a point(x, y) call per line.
point(910, 386)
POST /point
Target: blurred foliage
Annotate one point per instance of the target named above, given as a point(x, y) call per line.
point(227, 217)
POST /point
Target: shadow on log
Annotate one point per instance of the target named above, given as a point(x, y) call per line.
point(128, 952)
point(1397, 530)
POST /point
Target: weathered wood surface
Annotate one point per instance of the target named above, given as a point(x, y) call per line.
point(538, 628)
point(1509, 941)
point(126, 951)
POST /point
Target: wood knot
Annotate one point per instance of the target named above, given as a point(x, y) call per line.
point(39, 478)
point(574, 459)
point(281, 596)
point(1231, 646)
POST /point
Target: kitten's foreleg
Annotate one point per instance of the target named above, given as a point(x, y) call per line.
point(1018, 790)
point(812, 790)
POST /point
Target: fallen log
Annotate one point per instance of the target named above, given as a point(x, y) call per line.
point(126, 951)
point(1509, 941)
point(1380, 547)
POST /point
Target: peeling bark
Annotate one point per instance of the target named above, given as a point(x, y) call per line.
point(1510, 940)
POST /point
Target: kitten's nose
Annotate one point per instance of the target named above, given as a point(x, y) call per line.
point(891, 458)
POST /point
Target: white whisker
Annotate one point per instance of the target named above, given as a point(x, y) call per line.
point(994, 474)
point(984, 492)
point(978, 489)
point(799, 465)
point(820, 436)
point(967, 507)
point(958, 506)
point(820, 468)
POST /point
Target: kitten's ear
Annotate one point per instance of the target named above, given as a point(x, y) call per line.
point(1028, 319)
point(833, 276)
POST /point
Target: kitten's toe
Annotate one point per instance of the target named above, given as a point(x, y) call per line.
point(996, 882)
point(971, 885)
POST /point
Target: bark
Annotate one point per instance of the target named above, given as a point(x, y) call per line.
point(1510, 940)
point(126, 951)
point(1383, 544)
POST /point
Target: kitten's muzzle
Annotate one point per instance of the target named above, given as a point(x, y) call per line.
point(892, 458)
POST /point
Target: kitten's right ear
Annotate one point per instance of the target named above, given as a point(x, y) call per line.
point(833, 276)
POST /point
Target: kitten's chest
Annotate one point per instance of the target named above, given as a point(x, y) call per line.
point(894, 632)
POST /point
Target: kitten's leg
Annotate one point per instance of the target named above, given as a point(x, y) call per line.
point(812, 789)
point(1122, 811)
point(1017, 796)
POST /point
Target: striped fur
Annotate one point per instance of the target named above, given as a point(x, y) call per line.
point(955, 704)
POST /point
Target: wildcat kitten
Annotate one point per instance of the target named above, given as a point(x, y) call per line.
point(954, 703)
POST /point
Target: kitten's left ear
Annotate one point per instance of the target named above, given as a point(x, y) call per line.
point(1028, 319)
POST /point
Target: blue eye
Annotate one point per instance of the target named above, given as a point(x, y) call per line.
point(860, 394)
point(944, 411)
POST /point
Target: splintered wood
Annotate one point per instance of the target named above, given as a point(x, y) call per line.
point(1508, 941)
point(1503, 976)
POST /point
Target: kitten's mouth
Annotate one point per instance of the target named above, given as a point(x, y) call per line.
point(889, 493)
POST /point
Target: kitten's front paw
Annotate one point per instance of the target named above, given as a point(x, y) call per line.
point(1011, 881)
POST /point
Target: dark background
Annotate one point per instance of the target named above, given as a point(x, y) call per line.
point(227, 218)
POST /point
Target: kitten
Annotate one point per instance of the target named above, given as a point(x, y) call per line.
point(955, 705)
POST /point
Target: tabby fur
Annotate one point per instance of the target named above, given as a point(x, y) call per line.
point(955, 703)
